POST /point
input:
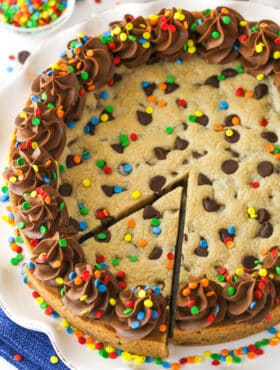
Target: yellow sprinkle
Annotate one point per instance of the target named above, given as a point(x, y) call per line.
point(39, 300)
point(192, 50)
point(229, 132)
point(260, 76)
point(12, 179)
point(146, 35)
point(112, 301)
point(129, 26)
point(149, 110)
point(276, 55)
point(259, 48)
point(35, 167)
point(139, 359)
point(123, 36)
point(23, 115)
point(104, 117)
point(136, 194)
point(207, 354)
point(84, 312)
point(117, 31)
point(55, 66)
point(263, 272)
point(109, 349)
point(91, 346)
point(141, 293)
point(83, 297)
point(197, 359)
point(128, 237)
point(33, 193)
point(239, 271)
point(199, 113)
point(86, 183)
point(190, 43)
point(146, 45)
point(126, 356)
point(243, 23)
point(54, 359)
point(229, 359)
point(148, 303)
point(34, 145)
point(64, 323)
point(59, 280)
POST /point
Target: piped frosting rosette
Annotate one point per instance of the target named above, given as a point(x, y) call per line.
point(139, 312)
point(90, 291)
point(199, 304)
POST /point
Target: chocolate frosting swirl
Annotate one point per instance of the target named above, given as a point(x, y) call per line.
point(63, 90)
point(30, 169)
point(43, 212)
point(129, 44)
point(199, 304)
point(91, 291)
point(249, 298)
point(139, 312)
point(257, 47)
point(41, 125)
point(171, 30)
point(90, 60)
point(55, 257)
point(219, 32)
point(271, 263)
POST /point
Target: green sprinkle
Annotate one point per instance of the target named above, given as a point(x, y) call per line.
point(19, 239)
point(132, 37)
point(194, 310)
point(127, 311)
point(169, 130)
point(216, 35)
point(62, 243)
point(54, 175)
point(109, 108)
point(239, 69)
point(61, 206)
point(155, 222)
point(20, 161)
point(276, 150)
point(170, 79)
point(99, 163)
point(133, 258)
point(236, 359)
point(61, 168)
point(103, 353)
point(73, 43)
point(215, 356)
point(36, 121)
point(21, 225)
point(124, 140)
point(101, 236)
point(62, 292)
point(220, 278)
point(277, 270)
point(194, 26)
point(265, 342)
point(84, 75)
point(185, 47)
point(221, 77)
point(255, 28)
point(115, 261)
point(14, 261)
point(19, 257)
point(50, 105)
point(258, 344)
point(84, 211)
point(226, 19)
point(207, 11)
point(192, 118)
point(25, 206)
point(4, 189)
point(230, 291)
point(103, 39)
point(43, 229)
point(71, 69)
point(44, 96)
point(43, 306)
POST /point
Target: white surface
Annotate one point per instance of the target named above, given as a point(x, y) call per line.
point(4, 365)
point(14, 296)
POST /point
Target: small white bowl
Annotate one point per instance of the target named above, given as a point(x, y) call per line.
point(48, 27)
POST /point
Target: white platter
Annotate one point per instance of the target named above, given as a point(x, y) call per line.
point(15, 297)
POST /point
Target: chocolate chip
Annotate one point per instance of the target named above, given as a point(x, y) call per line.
point(74, 223)
point(265, 168)
point(203, 180)
point(180, 144)
point(260, 91)
point(107, 220)
point(269, 136)
point(108, 190)
point(70, 161)
point(22, 56)
point(65, 189)
point(150, 212)
point(197, 155)
point(155, 254)
point(170, 87)
point(249, 262)
point(212, 81)
point(228, 120)
point(186, 238)
point(90, 128)
point(185, 126)
point(144, 118)
point(203, 120)
point(229, 72)
point(157, 183)
point(223, 234)
point(103, 236)
point(233, 138)
point(161, 153)
point(201, 252)
point(117, 77)
point(229, 166)
point(117, 148)
point(233, 152)
point(154, 58)
point(149, 89)
point(266, 230)
point(210, 205)
point(263, 215)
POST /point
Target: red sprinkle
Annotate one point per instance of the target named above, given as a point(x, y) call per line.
point(107, 170)
point(100, 258)
point(99, 345)
point(182, 103)
point(133, 136)
point(183, 361)
point(82, 340)
point(243, 38)
point(11, 57)
point(255, 184)
point(48, 310)
point(277, 41)
point(216, 363)
point(239, 91)
point(116, 60)
point(17, 357)
point(263, 122)
point(35, 294)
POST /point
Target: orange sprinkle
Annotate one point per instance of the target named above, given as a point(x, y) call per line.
point(131, 223)
point(274, 341)
point(186, 292)
point(186, 25)
point(191, 359)
point(269, 148)
point(59, 113)
point(251, 355)
point(63, 67)
point(161, 103)
point(97, 274)
point(224, 352)
point(91, 88)
point(277, 156)
point(235, 121)
point(249, 94)
point(162, 328)
point(163, 86)
point(142, 243)
point(78, 280)
point(212, 14)
point(90, 53)
point(48, 199)
point(151, 98)
point(77, 50)
point(48, 163)
point(106, 212)
point(89, 340)
point(78, 333)
point(77, 159)
point(78, 65)
point(230, 244)
point(225, 11)
point(72, 60)
point(175, 367)
point(263, 251)
point(169, 265)
point(218, 127)
point(204, 282)
point(210, 294)
point(193, 285)
point(148, 28)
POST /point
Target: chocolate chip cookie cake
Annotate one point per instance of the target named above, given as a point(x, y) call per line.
point(144, 174)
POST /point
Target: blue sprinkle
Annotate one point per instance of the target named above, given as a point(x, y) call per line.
point(135, 325)
point(245, 350)
point(97, 282)
point(165, 365)
point(156, 230)
point(145, 84)
point(272, 330)
point(231, 353)
point(86, 155)
point(83, 225)
point(148, 359)
point(104, 265)
point(223, 105)
point(140, 315)
point(11, 215)
point(9, 69)
point(203, 243)
point(154, 314)
point(86, 129)
point(80, 205)
point(157, 290)
point(35, 98)
point(55, 315)
point(4, 197)
point(118, 189)
point(127, 168)
point(46, 179)
point(235, 47)
point(72, 124)
point(179, 61)
point(63, 54)
point(102, 288)
point(78, 45)
point(94, 120)
point(11, 239)
point(72, 52)
point(142, 41)
point(105, 95)
point(253, 305)
point(49, 72)
point(72, 275)
point(69, 330)
point(31, 265)
point(199, 21)
point(222, 358)
point(118, 351)
point(218, 308)
point(106, 34)
point(25, 280)
point(85, 38)
point(231, 230)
